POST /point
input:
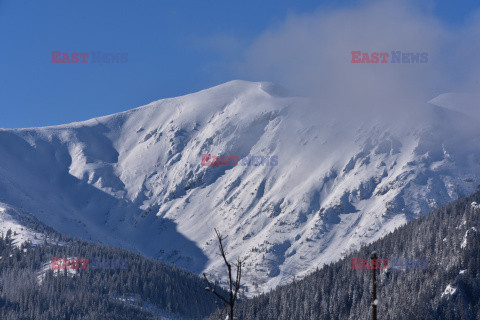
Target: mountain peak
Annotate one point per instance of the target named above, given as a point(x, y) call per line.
point(466, 103)
point(136, 179)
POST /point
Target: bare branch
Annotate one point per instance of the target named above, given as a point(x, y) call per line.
point(234, 285)
point(211, 288)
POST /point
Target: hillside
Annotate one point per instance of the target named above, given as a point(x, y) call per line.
point(113, 284)
point(448, 288)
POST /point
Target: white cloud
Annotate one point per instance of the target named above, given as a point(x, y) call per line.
point(311, 54)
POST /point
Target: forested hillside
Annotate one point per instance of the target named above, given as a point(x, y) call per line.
point(136, 288)
point(449, 288)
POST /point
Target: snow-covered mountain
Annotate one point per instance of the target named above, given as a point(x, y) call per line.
point(136, 180)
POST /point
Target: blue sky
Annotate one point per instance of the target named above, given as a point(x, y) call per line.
point(174, 48)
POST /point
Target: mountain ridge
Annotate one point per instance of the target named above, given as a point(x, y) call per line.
point(135, 178)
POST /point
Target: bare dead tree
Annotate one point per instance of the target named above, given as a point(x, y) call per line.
point(233, 284)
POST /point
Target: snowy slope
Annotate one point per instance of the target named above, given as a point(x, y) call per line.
point(22, 225)
point(135, 179)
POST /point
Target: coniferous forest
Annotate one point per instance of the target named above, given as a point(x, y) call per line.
point(449, 288)
point(146, 289)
